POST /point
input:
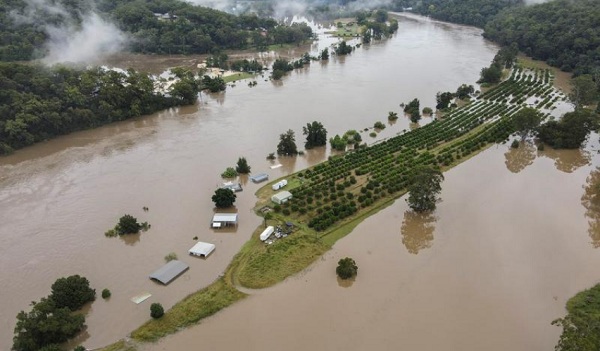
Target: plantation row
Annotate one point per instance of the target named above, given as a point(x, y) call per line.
point(346, 184)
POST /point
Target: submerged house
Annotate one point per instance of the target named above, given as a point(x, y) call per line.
point(169, 271)
point(202, 249)
point(221, 220)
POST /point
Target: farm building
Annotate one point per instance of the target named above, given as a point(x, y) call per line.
point(281, 197)
point(259, 178)
point(224, 219)
point(202, 249)
point(169, 271)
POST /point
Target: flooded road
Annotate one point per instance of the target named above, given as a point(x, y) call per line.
point(58, 198)
point(489, 270)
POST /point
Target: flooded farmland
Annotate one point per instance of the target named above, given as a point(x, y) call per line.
point(490, 269)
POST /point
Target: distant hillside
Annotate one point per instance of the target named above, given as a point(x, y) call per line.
point(470, 12)
point(150, 26)
point(565, 33)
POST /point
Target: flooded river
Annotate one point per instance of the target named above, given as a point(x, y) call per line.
point(492, 268)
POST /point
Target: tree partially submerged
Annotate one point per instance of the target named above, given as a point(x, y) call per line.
point(424, 189)
point(223, 198)
point(346, 268)
point(45, 325)
point(287, 144)
point(242, 166)
point(526, 121)
point(72, 292)
point(571, 131)
point(316, 135)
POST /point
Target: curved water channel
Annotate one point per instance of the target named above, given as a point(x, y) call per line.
point(490, 270)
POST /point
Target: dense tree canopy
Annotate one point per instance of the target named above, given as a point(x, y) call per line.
point(565, 33)
point(472, 12)
point(223, 198)
point(45, 325)
point(571, 131)
point(38, 103)
point(154, 26)
point(72, 292)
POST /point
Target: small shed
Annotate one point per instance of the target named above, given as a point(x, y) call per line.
point(224, 219)
point(259, 178)
point(202, 249)
point(281, 197)
point(169, 271)
point(266, 233)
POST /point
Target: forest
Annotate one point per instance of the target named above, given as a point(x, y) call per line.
point(564, 33)
point(152, 26)
point(38, 103)
point(471, 12)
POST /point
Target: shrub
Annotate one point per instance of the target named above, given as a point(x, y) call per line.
point(346, 268)
point(515, 144)
point(230, 172)
point(372, 134)
point(171, 256)
point(379, 125)
point(106, 293)
point(156, 310)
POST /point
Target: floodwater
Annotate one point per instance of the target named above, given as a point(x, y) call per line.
point(58, 198)
point(489, 270)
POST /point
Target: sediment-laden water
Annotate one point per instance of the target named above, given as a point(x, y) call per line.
point(482, 271)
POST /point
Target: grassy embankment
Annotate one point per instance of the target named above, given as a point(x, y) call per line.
point(445, 143)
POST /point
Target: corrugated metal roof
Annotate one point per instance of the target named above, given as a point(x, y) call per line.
point(225, 217)
point(259, 177)
point(169, 271)
point(282, 195)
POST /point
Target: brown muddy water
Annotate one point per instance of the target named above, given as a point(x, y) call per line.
point(489, 270)
point(58, 198)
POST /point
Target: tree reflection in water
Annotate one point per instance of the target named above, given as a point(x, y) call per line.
point(417, 231)
point(567, 160)
point(518, 159)
point(591, 201)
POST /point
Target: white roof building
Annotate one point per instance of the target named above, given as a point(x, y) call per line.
point(202, 249)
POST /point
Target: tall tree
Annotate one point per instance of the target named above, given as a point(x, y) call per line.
point(526, 120)
point(287, 144)
point(242, 166)
point(316, 135)
point(424, 189)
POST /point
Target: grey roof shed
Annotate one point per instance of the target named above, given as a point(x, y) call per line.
point(259, 178)
point(169, 271)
